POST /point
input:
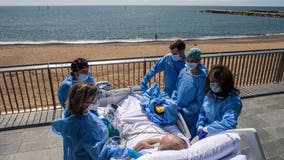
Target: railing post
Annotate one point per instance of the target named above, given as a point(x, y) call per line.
point(144, 66)
point(221, 60)
point(280, 69)
point(51, 87)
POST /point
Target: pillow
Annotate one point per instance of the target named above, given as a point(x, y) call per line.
point(213, 147)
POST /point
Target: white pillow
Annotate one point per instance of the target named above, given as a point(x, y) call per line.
point(214, 147)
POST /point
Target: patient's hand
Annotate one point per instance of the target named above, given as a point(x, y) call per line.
point(146, 144)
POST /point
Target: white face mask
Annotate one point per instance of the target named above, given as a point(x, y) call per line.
point(215, 88)
point(190, 66)
point(82, 77)
point(176, 57)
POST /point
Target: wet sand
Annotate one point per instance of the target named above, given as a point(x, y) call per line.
point(48, 53)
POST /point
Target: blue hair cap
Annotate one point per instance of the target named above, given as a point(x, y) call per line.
point(193, 53)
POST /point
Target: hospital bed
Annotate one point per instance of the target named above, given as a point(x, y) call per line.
point(250, 143)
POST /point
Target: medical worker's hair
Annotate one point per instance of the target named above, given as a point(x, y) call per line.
point(177, 44)
point(174, 143)
point(79, 93)
point(224, 78)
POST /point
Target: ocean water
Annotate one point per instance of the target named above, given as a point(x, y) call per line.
point(103, 24)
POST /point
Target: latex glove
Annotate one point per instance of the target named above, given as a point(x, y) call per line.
point(133, 154)
point(143, 86)
point(202, 133)
point(107, 122)
point(180, 109)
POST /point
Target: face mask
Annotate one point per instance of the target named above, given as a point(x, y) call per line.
point(190, 66)
point(175, 57)
point(215, 88)
point(82, 77)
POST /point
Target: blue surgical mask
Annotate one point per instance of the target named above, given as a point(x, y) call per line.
point(215, 88)
point(82, 77)
point(175, 57)
point(190, 66)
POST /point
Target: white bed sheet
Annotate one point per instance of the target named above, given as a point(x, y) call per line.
point(130, 119)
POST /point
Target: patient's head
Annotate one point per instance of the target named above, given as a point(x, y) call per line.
point(172, 142)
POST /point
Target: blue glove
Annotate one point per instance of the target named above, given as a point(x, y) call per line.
point(143, 86)
point(201, 134)
point(133, 154)
point(180, 109)
point(107, 122)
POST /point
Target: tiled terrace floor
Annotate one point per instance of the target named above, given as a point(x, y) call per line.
point(28, 136)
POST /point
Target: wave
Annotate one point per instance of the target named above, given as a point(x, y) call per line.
point(136, 40)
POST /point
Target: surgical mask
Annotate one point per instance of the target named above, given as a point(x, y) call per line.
point(215, 88)
point(176, 57)
point(82, 77)
point(190, 66)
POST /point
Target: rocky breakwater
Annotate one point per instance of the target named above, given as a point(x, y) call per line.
point(263, 13)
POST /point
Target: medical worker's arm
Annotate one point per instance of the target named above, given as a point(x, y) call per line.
point(202, 120)
point(62, 93)
point(158, 67)
point(229, 119)
point(98, 150)
point(90, 79)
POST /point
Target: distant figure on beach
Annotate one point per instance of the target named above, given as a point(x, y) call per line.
point(171, 64)
point(190, 89)
point(156, 36)
point(222, 104)
point(80, 73)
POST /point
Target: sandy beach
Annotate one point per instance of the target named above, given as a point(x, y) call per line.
point(36, 54)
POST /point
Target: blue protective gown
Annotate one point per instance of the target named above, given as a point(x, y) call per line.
point(66, 85)
point(171, 70)
point(84, 138)
point(218, 114)
point(189, 96)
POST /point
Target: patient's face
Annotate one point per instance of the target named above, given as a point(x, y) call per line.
point(172, 142)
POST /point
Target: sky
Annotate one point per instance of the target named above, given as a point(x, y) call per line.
point(145, 2)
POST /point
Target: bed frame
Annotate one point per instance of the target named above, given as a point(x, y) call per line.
point(251, 146)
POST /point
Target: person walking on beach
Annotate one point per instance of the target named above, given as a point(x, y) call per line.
point(84, 134)
point(171, 64)
point(222, 104)
point(190, 89)
point(80, 73)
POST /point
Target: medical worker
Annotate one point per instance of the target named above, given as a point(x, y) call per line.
point(171, 64)
point(84, 134)
point(80, 73)
point(191, 88)
point(222, 104)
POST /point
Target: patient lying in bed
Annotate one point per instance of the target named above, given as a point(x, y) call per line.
point(135, 128)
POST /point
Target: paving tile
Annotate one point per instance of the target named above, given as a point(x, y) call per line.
point(5, 157)
point(274, 118)
point(44, 154)
point(10, 137)
point(273, 148)
point(6, 149)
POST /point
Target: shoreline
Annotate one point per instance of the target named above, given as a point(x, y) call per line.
point(25, 54)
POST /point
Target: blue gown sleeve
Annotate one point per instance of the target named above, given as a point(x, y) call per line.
point(62, 93)
point(202, 120)
point(90, 79)
point(229, 119)
point(159, 66)
point(98, 150)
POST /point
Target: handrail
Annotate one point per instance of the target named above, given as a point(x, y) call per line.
point(26, 88)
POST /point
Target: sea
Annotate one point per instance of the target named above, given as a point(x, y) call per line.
point(108, 24)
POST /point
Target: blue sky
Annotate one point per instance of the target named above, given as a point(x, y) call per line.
point(146, 2)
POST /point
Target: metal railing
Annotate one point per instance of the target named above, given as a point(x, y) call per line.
point(33, 88)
